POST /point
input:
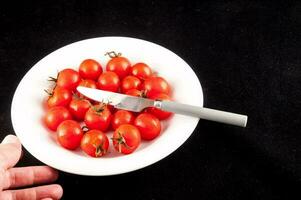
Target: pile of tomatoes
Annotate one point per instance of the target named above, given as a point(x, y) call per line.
point(81, 122)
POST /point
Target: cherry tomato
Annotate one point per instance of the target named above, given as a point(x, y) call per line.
point(59, 97)
point(68, 79)
point(98, 117)
point(56, 115)
point(126, 138)
point(120, 65)
point(148, 125)
point(130, 82)
point(108, 81)
point(155, 85)
point(86, 83)
point(95, 143)
point(78, 108)
point(69, 134)
point(160, 114)
point(111, 108)
point(141, 70)
point(122, 117)
point(90, 69)
point(135, 93)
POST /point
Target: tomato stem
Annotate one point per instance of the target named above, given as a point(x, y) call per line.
point(120, 141)
point(113, 54)
point(143, 94)
point(52, 79)
point(49, 93)
point(78, 96)
point(99, 150)
point(98, 110)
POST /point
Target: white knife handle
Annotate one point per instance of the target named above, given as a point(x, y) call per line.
point(203, 113)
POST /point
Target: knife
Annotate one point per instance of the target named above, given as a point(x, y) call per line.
point(137, 104)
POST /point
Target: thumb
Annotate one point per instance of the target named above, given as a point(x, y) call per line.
point(10, 139)
point(10, 151)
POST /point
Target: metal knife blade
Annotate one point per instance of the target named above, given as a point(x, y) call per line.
point(120, 101)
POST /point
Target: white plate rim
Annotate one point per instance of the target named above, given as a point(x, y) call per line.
point(126, 169)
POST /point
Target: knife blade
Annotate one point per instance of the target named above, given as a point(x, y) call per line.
point(120, 101)
point(137, 104)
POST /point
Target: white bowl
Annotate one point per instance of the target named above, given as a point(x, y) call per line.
point(27, 109)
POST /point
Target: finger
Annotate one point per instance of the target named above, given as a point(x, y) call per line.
point(10, 152)
point(25, 176)
point(48, 191)
point(47, 199)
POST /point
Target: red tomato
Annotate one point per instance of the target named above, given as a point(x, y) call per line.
point(155, 85)
point(130, 82)
point(111, 108)
point(108, 81)
point(68, 79)
point(160, 114)
point(141, 70)
point(120, 65)
point(69, 134)
point(148, 125)
point(88, 83)
point(95, 143)
point(78, 108)
point(98, 117)
point(126, 138)
point(122, 117)
point(135, 93)
point(59, 97)
point(90, 69)
point(56, 115)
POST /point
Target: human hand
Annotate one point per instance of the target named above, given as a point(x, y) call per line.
point(12, 178)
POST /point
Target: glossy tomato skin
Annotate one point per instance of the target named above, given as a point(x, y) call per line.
point(135, 93)
point(69, 134)
point(108, 81)
point(111, 108)
point(90, 69)
point(141, 71)
point(88, 83)
point(160, 114)
point(95, 143)
point(59, 97)
point(156, 85)
point(122, 117)
point(130, 82)
point(68, 79)
point(78, 108)
point(98, 117)
point(56, 115)
point(148, 125)
point(126, 138)
point(120, 65)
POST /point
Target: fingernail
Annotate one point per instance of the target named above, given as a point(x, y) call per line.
point(58, 192)
point(10, 139)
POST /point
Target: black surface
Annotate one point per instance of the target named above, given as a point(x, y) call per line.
point(247, 56)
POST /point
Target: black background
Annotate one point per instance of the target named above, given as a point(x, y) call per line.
point(247, 56)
